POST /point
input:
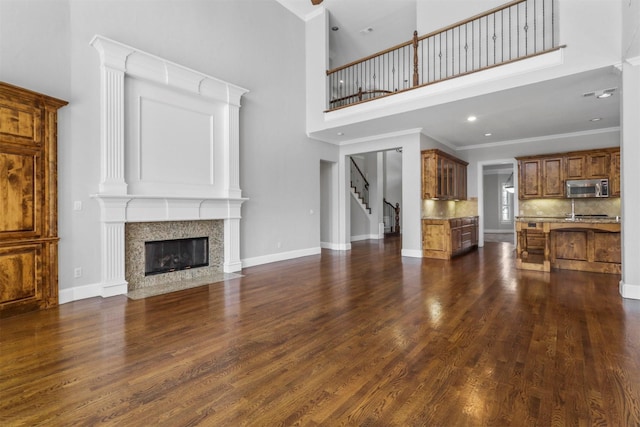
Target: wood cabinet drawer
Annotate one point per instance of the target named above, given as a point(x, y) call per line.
point(20, 278)
point(607, 247)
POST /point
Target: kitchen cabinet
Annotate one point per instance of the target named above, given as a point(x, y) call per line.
point(552, 178)
point(586, 250)
point(446, 238)
point(541, 178)
point(545, 176)
point(588, 245)
point(530, 171)
point(614, 176)
point(588, 165)
point(28, 200)
point(444, 177)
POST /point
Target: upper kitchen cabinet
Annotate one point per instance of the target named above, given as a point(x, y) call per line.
point(530, 171)
point(614, 177)
point(545, 176)
point(541, 177)
point(444, 177)
point(552, 177)
point(588, 165)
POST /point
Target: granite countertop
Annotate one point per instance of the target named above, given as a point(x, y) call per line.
point(580, 219)
point(448, 217)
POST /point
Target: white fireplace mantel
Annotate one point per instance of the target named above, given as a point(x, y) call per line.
point(147, 123)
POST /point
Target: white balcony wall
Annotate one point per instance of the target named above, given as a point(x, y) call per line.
point(585, 50)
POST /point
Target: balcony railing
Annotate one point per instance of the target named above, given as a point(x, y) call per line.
point(517, 30)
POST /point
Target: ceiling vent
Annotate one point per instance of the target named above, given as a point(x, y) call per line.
point(605, 93)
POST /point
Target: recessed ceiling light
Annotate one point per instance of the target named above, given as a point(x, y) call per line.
point(340, 133)
point(488, 134)
point(604, 95)
point(595, 119)
point(472, 118)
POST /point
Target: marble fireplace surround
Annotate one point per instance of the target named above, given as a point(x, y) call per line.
point(169, 140)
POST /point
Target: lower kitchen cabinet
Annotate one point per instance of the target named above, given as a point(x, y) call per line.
point(593, 245)
point(445, 238)
point(586, 250)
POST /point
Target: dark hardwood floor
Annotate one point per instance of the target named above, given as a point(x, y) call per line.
point(344, 338)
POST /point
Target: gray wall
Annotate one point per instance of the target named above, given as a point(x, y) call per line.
point(259, 45)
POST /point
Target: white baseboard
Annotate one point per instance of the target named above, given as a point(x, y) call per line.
point(412, 253)
point(116, 288)
point(366, 237)
point(630, 291)
point(281, 256)
point(79, 292)
point(336, 246)
point(92, 290)
point(232, 267)
point(499, 231)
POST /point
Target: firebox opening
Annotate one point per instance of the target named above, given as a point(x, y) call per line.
point(164, 256)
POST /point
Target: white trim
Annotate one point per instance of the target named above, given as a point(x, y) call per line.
point(634, 61)
point(282, 256)
point(79, 292)
point(341, 246)
point(540, 138)
point(377, 137)
point(630, 291)
point(366, 237)
point(499, 231)
point(331, 246)
point(411, 253)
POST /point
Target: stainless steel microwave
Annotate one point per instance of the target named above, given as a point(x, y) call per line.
point(587, 188)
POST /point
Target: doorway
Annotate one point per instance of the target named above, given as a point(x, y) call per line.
point(497, 201)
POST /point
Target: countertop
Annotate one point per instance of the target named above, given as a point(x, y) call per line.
point(562, 219)
point(446, 218)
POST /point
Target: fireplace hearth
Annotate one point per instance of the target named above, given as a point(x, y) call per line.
point(165, 256)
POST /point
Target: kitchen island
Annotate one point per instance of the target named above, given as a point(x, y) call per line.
point(582, 243)
point(444, 238)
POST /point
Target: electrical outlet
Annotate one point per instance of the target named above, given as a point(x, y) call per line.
point(77, 272)
point(77, 205)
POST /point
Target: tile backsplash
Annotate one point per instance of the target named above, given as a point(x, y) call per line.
point(449, 209)
point(561, 207)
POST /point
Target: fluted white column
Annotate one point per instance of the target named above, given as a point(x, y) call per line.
point(232, 261)
point(112, 245)
point(112, 72)
point(232, 160)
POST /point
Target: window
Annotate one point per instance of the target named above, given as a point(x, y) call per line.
point(506, 204)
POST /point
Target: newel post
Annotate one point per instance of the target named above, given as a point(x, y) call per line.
point(416, 76)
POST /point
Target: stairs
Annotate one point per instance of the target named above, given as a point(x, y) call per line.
point(360, 199)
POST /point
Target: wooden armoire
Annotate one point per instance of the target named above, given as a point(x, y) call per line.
point(28, 200)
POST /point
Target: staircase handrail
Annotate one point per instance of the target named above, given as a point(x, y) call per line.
point(389, 71)
point(366, 183)
point(396, 209)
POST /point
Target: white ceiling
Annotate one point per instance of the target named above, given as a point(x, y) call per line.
point(553, 107)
